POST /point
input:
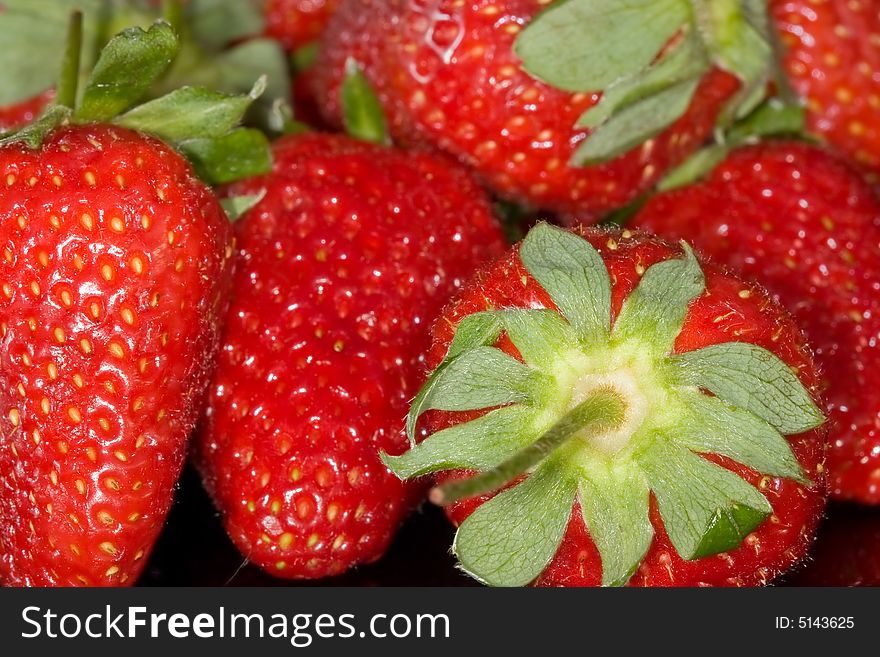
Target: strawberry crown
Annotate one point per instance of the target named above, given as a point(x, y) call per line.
point(606, 414)
point(647, 57)
point(203, 124)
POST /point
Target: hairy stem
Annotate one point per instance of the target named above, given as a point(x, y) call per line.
point(602, 411)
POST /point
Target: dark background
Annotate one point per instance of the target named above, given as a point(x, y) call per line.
point(195, 551)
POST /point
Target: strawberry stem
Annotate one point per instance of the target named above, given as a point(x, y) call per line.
point(68, 81)
point(603, 411)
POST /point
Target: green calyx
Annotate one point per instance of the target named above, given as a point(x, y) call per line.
point(203, 124)
point(647, 58)
point(604, 414)
point(362, 112)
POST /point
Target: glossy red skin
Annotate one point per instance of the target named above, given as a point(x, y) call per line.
point(83, 501)
point(721, 314)
point(764, 212)
point(833, 60)
point(295, 23)
point(341, 269)
point(447, 77)
point(19, 114)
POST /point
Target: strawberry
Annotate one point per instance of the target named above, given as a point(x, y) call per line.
point(802, 222)
point(296, 23)
point(516, 90)
point(19, 114)
point(587, 361)
point(115, 262)
point(341, 267)
point(832, 57)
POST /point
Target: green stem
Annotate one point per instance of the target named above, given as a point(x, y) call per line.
point(172, 13)
point(603, 411)
point(69, 78)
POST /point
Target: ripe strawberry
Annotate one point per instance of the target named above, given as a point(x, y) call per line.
point(515, 89)
point(15, 116)
point(115, 260)
point(296, 23)
point(802, 222)
point(592, 352)
point(341, 267)
point(833, 60)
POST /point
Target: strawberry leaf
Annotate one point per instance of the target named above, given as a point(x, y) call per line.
point(362, 112)
point(242, 153)
point(480, 444)
point(236, 206)
point(511, 538)
point(128, 65)
point(190, 113)
point(706, 509)
point(614, 500)
point(481, 378)
point(573, 274)
point(750, 377)
point(635, 124)
point(586, 45)
point(540, 336)
point(32, 135)
point(686, 61)
point(656, 309)
point(718, 428)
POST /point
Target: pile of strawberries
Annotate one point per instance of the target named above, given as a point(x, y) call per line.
point(273, 238)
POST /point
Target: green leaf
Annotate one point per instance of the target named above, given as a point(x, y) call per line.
point(33, 134)
point(541, 336)
point(480, 444)
point(772, 118)
point(599, 413)
point(706, 509)
point(686, 61)
point(614, 500)
point(217, 23)
point(586, 45)
point(190, 113)
point(34, 43)
point(128, 65)
point(635, 124)
point(575, 277)
point(717, 428)
point(750, 377)
point(655, 311)
point(509, 540)
point(479, 329)
point(236, 206)
point(695, 167)
point(362, 112)
point(480, 378)
point(242, 153)
point(305, 56)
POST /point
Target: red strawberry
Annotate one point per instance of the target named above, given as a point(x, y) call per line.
point(296, 23)
point(115, 260)
point(115, 263)
point(802, 222)
point(833, 60)
point(341, 268)
point(512, 87)
point(15, 116)
point(595, 373)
